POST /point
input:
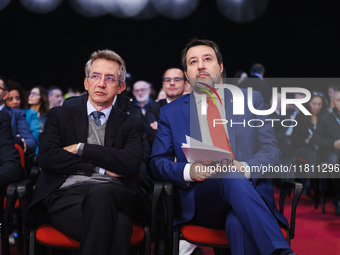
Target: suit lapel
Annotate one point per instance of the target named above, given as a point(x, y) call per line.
point(114, 121)
point(80, 120)
point(191, 118)
point(232, 131)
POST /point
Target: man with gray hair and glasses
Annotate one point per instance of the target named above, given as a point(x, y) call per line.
point(88, 185)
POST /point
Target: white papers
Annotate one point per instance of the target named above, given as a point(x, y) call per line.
point(195, 150)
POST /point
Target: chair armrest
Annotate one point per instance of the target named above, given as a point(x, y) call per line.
point(24, 191)
point(156, 196)
point(285, 189)
point(169, 210)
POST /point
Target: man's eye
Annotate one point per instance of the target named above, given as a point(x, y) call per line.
point(95, 76)
point(110, 78)
point(193, 62)
point(207, 59)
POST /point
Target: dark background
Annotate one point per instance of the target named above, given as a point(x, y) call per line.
point(291, 39)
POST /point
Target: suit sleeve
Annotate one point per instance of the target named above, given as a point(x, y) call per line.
point(52, 157)
point(25, 132)
point(163, 155)
point(10, 168)
point(124, 160)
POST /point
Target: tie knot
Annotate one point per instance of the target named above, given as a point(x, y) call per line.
point(210, 100)
point(96, 114)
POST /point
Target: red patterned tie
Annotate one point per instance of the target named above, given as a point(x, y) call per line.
point(218, 135)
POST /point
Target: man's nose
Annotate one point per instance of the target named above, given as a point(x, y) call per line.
point(201, 65)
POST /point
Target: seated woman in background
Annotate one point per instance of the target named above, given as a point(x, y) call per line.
point(15, 99)
point(306, 127)
point(38, 101)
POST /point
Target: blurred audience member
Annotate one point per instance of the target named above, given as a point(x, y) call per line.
point(10, 168)
point(161, 95)
point(173, 84)
point(55, 96)
point(331, 91)
point(150, 109)
point(306, 127)
point(256, 81)
point(20, 129)
point(38, 101)
point(327, 137)
point(15, 99)
point(240, 75)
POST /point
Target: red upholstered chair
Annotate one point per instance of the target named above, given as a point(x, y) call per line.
point(46, 235)
point(217, 237)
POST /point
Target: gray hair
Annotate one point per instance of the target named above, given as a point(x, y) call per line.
point(108, 55)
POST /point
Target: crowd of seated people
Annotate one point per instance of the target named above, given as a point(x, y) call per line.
point(315, 139)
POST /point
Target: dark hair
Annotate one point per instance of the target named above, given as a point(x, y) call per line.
point(173, 68)
point(12, 85)
point(45, 105)
point(323, 99)
point(51, 89)
point(257, 68)
point(197, 42)
point(4, 82)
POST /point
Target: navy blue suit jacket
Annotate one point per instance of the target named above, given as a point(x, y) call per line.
point(10, 168)
point(255, 146)
point(21, 127)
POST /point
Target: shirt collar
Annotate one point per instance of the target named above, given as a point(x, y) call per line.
point(2, 107)
point(90, 109)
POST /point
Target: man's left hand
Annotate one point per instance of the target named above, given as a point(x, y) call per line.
point(71, 148)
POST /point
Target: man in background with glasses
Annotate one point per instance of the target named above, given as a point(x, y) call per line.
point(90, 156)
point(174, 85)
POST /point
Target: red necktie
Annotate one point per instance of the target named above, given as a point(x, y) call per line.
point(218, 135)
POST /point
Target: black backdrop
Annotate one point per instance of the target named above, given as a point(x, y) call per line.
point(291, 39)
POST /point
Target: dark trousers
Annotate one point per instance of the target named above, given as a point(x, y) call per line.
point(97, 215)
point(233, 204)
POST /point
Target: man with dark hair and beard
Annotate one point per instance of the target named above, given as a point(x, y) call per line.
point(236, 201)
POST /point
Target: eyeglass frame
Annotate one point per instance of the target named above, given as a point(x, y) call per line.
point(3, 89)
point(91, 78)
point(33, 94)
point(168, 80)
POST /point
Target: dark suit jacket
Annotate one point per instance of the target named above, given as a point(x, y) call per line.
point(122, 152)
point(162, 102)
point(10, 168)
point(20, 126)
point(255, 146)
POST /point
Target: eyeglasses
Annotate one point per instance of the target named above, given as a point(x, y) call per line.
point(3, 89)
point(176, 79)
point(140, 90)
point(315, 93)
point(34, 94)
point(109, 79)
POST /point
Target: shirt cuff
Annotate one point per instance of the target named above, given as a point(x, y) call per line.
point(98, 170)
point(80, 149)
point(186, 173)
point(246, 168)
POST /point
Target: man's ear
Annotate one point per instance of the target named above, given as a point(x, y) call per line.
point(86, 85)
point(121, 87)
point(6, 95)
point(221, 66)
